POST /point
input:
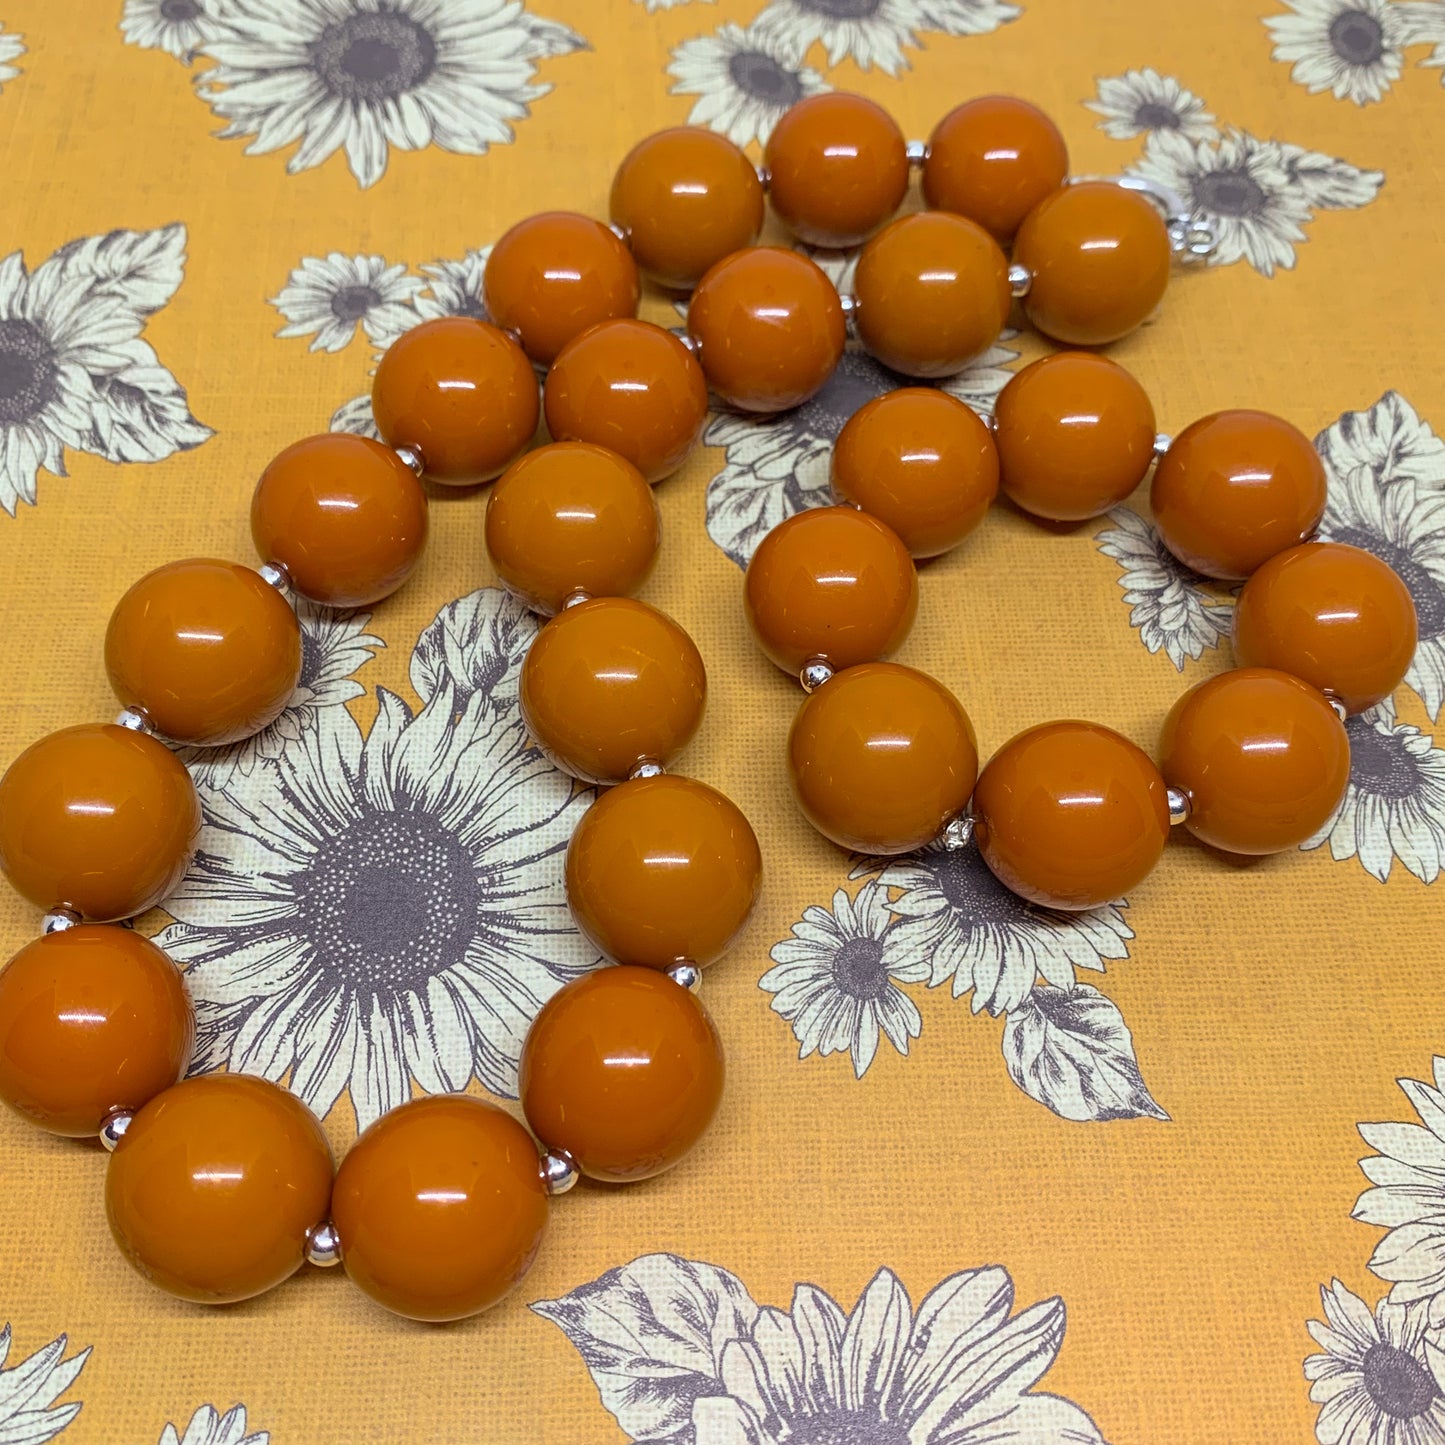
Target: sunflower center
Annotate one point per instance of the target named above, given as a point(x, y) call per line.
point(1357, 38)
point(842, 9)
point(373, 56)
point(391, 902)
point(846, 1427)
point(972, 891)
point(1379, 764)
point(761, 76)
point(856, 380)
point(179, 11)
point(1229, 193)
point(1426, 590)
point(1397, 1382)
point(27, 372)
point(1154, 116)
point(351, 303)
point(858, 969)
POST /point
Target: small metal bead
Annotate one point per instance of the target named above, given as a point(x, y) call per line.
point(688, 339)
point(916, 151)
point(133, 719)
point(559, 1171)
point(1162, 443)
point(1178, 806)
point(959, 832)
point(58, 920)
point(413, 459)
point(1020, 278)
point(575, 599)
point(621, 232)
point(275, 574)
point(990, 420)
point(814, 674)
point(686, 975)
point(113, 1127)
point(1341, 711)
point(765, 177)
point(647, 769)
point(323, 1245)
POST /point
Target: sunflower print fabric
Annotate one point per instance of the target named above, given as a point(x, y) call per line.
point(1167, 1172)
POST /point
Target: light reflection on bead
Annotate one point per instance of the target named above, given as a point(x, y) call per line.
point(559, 1171)
point(1178, 806)
point(686, 975)
point(814, 674)
point(58, 920)
point(323, 1246)
point(113, 1127)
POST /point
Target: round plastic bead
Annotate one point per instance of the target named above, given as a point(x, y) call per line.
point(1261, 757)
point(770, 327)
point(571, 517)
point(209, 652)
point(92, 1018)
point(1075, 435)
point(832, 583)
point(609, 684)
point(922, 463)
point(440, 1207)
point(99, 819)
point(343, 515)
point(623, 1069)
point(933, 294)
point(214, 1186)
point(1070, 815)
point(1336, 616)
point(837, 168)
point(993, 160)
point(686, 197)
point(1233, 489)
point(882, 758)
point(1099, 259)
point(661, 871)
point(555, 274)
point(461, 394)
point(632, 387)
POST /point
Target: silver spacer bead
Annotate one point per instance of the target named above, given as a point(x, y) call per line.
point(647, 768)
point(113, 1127)
point(621, 232)
point(1340, 710)
point(850, 304)
point(989, 419)
point(1178, 806)
point(134, 720)
point(323, 1245)
point(575, 599)
point(686, 975)
point(1162, 442)
point(814, 674)
point(1020, 279)
point(765, 176)
point(413, 459)
point(959, 832)
point(275, 574)
point(688, 339)
point(58, 920)
point(916, 151)
point(559, 1171)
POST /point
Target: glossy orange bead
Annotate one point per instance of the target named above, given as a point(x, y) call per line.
point(662, 870)
point(215, 1185)
point(1336, 616)
point(933, 294)
point(993, 160)
point(922, 463)
point(1099, 257)
point(882, 758)
point(686, 197)
point(1075, 436)
point(98, 819)
point(770, 328)
point(624, 1070)
point(837, 168)
point(209, 651)
point(1233, 489)
point(555, 274)
point(1261, 757)
point(571, 517)
point(461, 394)
point(632, 387)
point(343, 515)
point(440, 1207)
point(831, 583)
point(1070, 815)
point(92, 1018)
point(609, 684)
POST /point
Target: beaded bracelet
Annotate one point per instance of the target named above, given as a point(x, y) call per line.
point(219, 1186)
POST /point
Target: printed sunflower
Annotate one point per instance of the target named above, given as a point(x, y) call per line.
point(1352, 48)
point(12, 47)
point(179, 27)
point(326, 298)
point(209, 1427)
point(29, 1390)
point(1140, 102)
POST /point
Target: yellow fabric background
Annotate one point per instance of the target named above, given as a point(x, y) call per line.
point(1273, 1003)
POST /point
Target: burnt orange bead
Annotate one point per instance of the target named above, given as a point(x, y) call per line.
point(770, 328)
point(215, 1185)
point(440, 1207)
point(343, 515)
point(993, 160)
point(624, 1070)
point(568, 518)
point(922, 463)
point(632, 387)
point(882, 758)
point(662, 870)
point(1336, 616)
point(837, 168)
point(1233, 489)
point(1261, 757)
point(461, 394)
point(209, 651)
point(686, 197)
point(99, 819)
point(609, 684)
point(93, 1018)
point(933, 294)
point(1075, 436)
point(830, 583)
point(1099, 259)
point(1070, 815)
point(552, 276)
